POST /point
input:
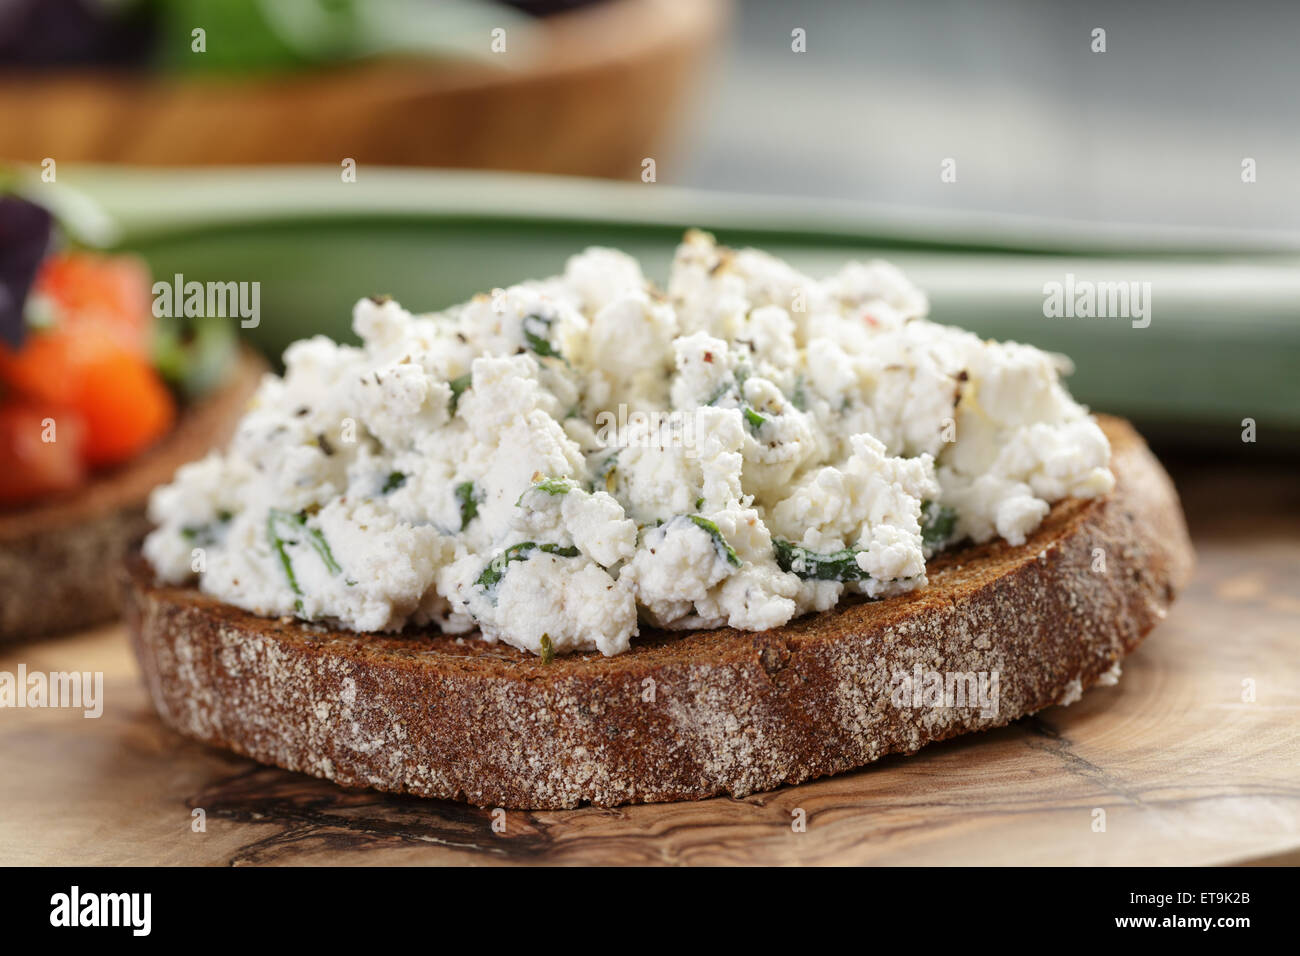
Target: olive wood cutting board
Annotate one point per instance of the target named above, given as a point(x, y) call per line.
point(1180, 766)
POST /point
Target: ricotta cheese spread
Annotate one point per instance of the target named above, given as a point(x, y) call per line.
point(559, 463)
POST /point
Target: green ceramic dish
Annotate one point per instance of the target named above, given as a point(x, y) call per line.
point(1223, 342)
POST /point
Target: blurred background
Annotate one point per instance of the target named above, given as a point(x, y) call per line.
point(990, 148)
point(1153, 130)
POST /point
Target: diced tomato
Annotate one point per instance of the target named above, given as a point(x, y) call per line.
point(95, 303)
point(108, 293)
point(122, 400)
point(125, 405)
point(45, 368)
point(95, 359)
point(40, 451)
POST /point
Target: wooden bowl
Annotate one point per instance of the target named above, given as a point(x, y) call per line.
point(597, 94)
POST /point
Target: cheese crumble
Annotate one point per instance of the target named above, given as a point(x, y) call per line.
point(562, 462)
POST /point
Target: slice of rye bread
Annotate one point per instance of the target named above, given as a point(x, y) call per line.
point(57, 557)
point(682, 715)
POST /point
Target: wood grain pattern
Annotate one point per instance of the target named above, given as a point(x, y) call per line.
point(1186, 771)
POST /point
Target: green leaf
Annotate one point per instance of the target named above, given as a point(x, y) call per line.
point(607, 474)
point(193, 354)
point(273, 517)
point(468, 498)
point(800, 397)
point(537, 331)
point(277, 518)
point(561, 551)
point(552, 486)
point(817, 566)
point(458, 386)
point(726, 550)
point(322, 548)
point(204, 535)
point(497, 567)
point(548, 650)
point(937, 524)
point(720, 394)
point(254, 37)
point(394, 481)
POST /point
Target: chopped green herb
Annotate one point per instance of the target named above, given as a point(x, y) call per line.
point(458, 387)
point(562, 551)
point(277, 518)
point(203, 535)
point(278, 545)
point(699, 503)
point(492, 574)
point(720, 394)
point(394, 481)
point(737, 385)
point(468, 499)
point(321, 546)
point(937, 524)
point(548, 650)
point(726, 550)
point(552, 486)
point(815, 566)
point(800, 397)
point(537, 330)
point(606, 474)
point(496, 568)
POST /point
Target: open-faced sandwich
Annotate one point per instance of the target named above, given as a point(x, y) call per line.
point(99, 402)
point(583, 540)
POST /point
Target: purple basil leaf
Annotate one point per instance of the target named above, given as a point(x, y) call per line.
point(24, 239)
point(51, 34)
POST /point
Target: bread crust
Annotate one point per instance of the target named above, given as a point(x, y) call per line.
point(686, 715)
point(57, 557)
